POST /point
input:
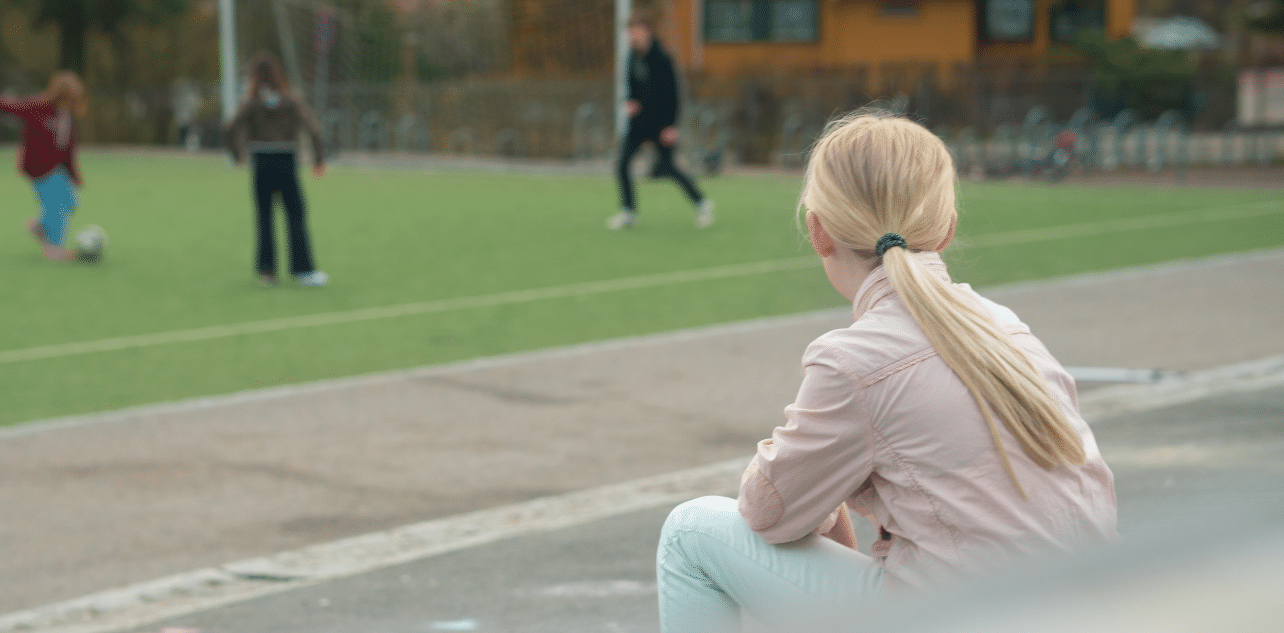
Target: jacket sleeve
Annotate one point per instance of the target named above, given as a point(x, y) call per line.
point(664, 91)
point(632, 87)
point(813, 463)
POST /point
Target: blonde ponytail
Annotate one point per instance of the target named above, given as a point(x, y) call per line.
point(871, 174)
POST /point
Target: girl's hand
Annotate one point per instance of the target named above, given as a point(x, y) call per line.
point(843, 532)
point(318, 170)
point(669, 136)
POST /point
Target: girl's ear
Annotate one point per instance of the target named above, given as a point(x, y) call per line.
point(820, 239)
point(949, 237)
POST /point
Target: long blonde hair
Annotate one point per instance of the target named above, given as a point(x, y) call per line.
point(872, 173)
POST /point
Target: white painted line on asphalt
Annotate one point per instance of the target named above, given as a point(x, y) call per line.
point(145, 603)
point(1114, 374)
point(1179, 388)
point(141, 604)
point(62, 350)
point(598, 589)
point(1257, 455)
point(454, 625)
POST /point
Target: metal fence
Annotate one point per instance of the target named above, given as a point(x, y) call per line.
point(996, 122)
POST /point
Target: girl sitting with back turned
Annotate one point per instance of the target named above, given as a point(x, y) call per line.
point(936, 415)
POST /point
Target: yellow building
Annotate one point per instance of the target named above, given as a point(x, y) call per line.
point(728, 37)
point(733, 37)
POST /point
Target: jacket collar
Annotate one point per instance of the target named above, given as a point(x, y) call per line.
point(877, 288)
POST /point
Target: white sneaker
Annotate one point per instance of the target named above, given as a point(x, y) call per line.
point(314, 279)
point(704, 215)
point(622, 220)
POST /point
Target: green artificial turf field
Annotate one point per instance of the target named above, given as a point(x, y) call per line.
point(78, 338)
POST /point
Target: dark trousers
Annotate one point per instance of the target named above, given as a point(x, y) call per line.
point(278, 172)
point(663, 167)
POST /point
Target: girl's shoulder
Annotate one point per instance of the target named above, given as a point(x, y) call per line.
point(879, 339)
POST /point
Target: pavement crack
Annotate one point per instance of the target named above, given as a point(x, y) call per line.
point(265, 577)
point(505, 394)
point(300, 475)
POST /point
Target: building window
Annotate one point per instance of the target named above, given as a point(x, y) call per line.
point(1068, 17)
point(899, 9)
point(761, 21)
point(1007, 20)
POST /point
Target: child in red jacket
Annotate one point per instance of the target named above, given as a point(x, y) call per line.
point(48, 156)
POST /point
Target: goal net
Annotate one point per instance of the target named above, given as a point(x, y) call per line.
point(508, 78)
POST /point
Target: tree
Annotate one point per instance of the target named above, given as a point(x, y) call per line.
point(1130, 76)
point(1266, 16)
point(74, 19)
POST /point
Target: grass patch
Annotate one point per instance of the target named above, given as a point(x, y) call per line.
point(181, 257)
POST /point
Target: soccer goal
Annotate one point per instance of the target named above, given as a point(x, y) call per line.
point(504, 79)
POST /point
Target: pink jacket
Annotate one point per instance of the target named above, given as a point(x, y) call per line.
point(883, 424)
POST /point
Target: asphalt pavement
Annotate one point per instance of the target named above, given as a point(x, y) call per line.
point(1174, 467)
point(106, 501)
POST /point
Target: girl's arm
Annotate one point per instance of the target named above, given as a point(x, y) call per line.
point(309, 122)
point(26, 109)
point(842, 530)
point(813, 463)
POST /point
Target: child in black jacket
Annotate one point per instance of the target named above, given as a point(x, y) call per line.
point(652, 108)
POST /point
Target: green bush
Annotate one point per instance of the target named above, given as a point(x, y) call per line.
point(1130, 76)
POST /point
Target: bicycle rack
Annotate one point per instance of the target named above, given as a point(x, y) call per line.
point(462, 139)
point(792, 130)
point(507, 142)
point(372, 131)
point(709, 125)
point(411, 134)
point(587, 133)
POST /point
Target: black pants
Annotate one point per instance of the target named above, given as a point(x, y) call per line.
point(278, 172)
point(664, 167)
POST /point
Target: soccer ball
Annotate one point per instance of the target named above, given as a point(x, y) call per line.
point(90, 242)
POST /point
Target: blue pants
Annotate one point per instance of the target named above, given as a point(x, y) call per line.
point(56, 194)
point(710, 566)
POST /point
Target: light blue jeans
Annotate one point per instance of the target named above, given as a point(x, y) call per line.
point(710, 565)
point(56, 194)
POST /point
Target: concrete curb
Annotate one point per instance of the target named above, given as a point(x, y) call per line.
point(1102, 405)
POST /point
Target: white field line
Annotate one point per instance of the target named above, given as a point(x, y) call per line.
point(405, 309)
point(145, 603)
point(60, 350)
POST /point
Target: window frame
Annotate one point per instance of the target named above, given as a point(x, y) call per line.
point(761, 22)
point(1097, 10)
point(983, 23)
